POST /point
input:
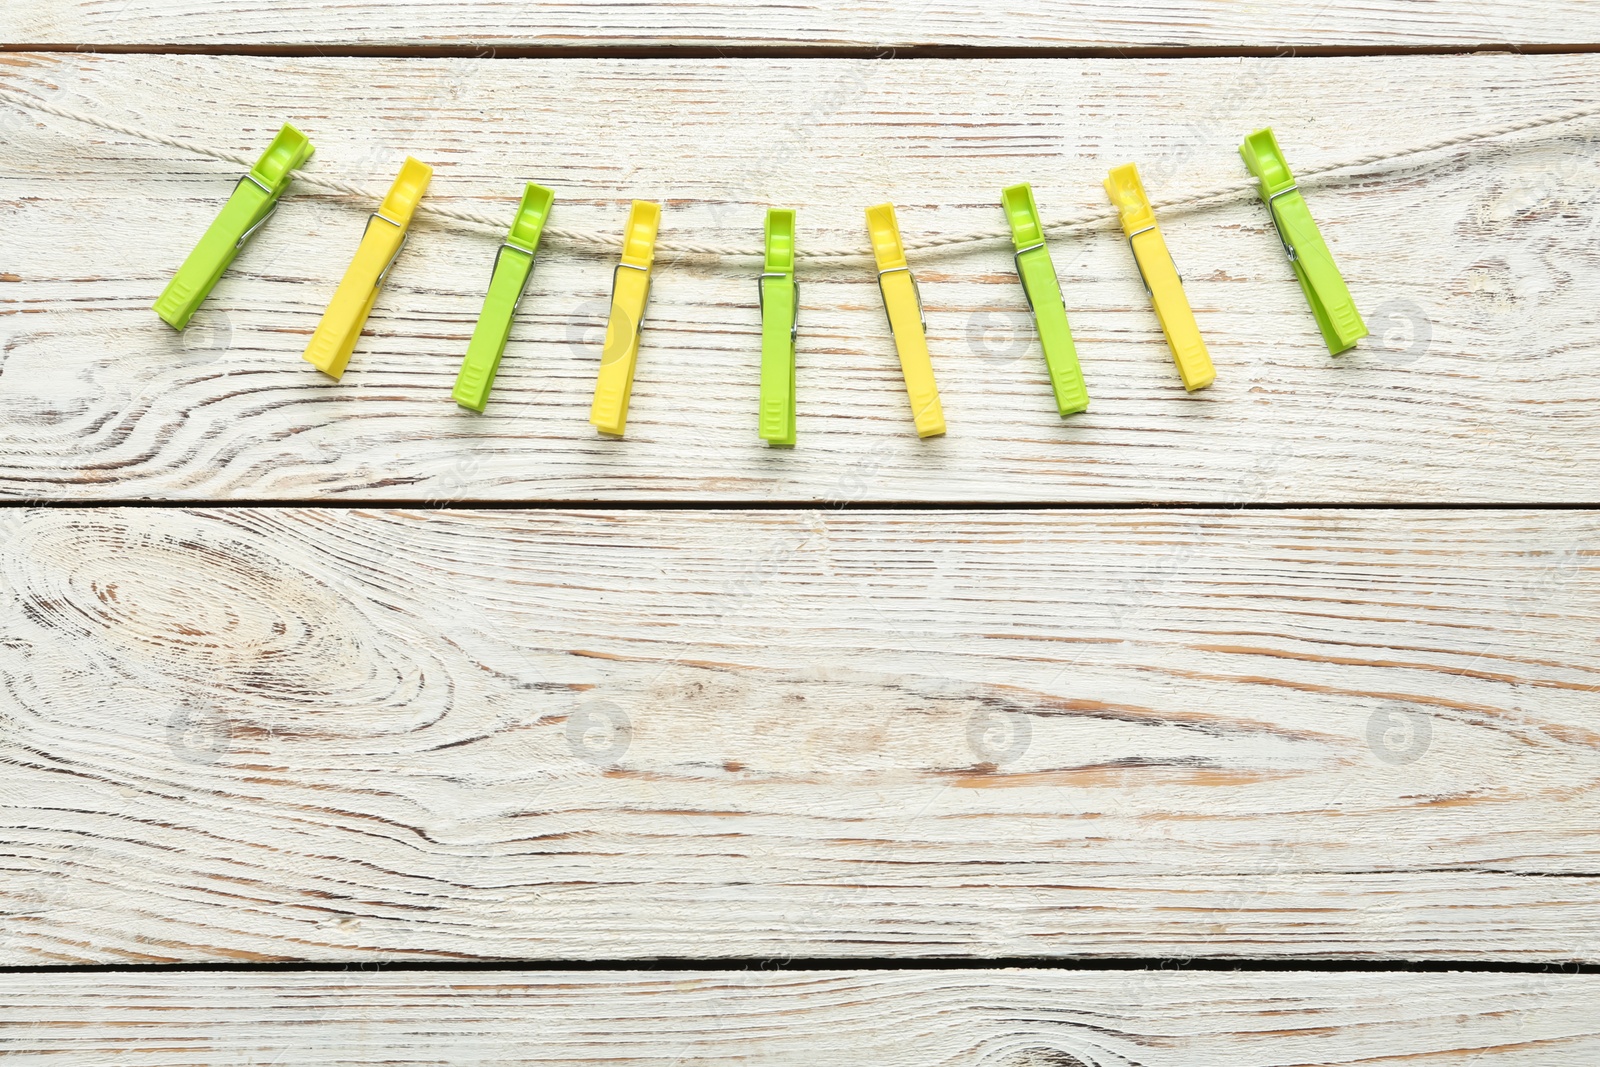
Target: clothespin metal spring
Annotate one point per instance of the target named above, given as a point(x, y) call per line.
point(1282, 239)
point(404, 237)
point(505, 247)
point(761, 298)
point(922, 316)
point(644, 303)
point(1146, 281)
point(1016, 260)
point(272, 209)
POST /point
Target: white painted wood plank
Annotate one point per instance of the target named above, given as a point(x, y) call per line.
point(995, 1018)
point(592, 23)
point(337, 735)
point(1482, 382)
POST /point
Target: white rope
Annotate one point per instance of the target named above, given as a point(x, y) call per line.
point(611, 244)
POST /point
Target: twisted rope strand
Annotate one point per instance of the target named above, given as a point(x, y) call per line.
point(611, 244)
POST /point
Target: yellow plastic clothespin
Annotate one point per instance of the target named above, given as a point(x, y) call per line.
point(902, 301)
point(630, 290)
point(1160, 276)
point(335, 337)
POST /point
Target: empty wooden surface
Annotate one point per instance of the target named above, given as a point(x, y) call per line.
point(1476, 271)
point(988, 1018)
point(344, 735)
point(948, 23)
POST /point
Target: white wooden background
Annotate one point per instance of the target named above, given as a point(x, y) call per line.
point(643, 720)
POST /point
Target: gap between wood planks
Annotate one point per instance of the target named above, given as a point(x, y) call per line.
point(846, 963)
point(796, 51)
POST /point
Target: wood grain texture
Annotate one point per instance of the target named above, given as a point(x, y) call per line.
point(989, 1018)
point(342, 735)
point(1476, 271)
point(591, 23)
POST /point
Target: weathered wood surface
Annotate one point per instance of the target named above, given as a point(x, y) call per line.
point(591, 23)
point(1476, 271)
point(341, 735)
point(989, 1018)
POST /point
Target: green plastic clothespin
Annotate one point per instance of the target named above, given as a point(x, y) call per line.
point(780, 325)
point(1043, 290)
point(254, 200)
point(1319, 276)
point(512, 265)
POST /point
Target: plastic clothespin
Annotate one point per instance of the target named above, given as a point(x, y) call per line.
point(780, 325)
point(902, 301)
point(508, 278)
point(1043, 290)
point(630, 289)
point(253, 202)
point(335, 337)
point(1160, 276)
point(1319, 276)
